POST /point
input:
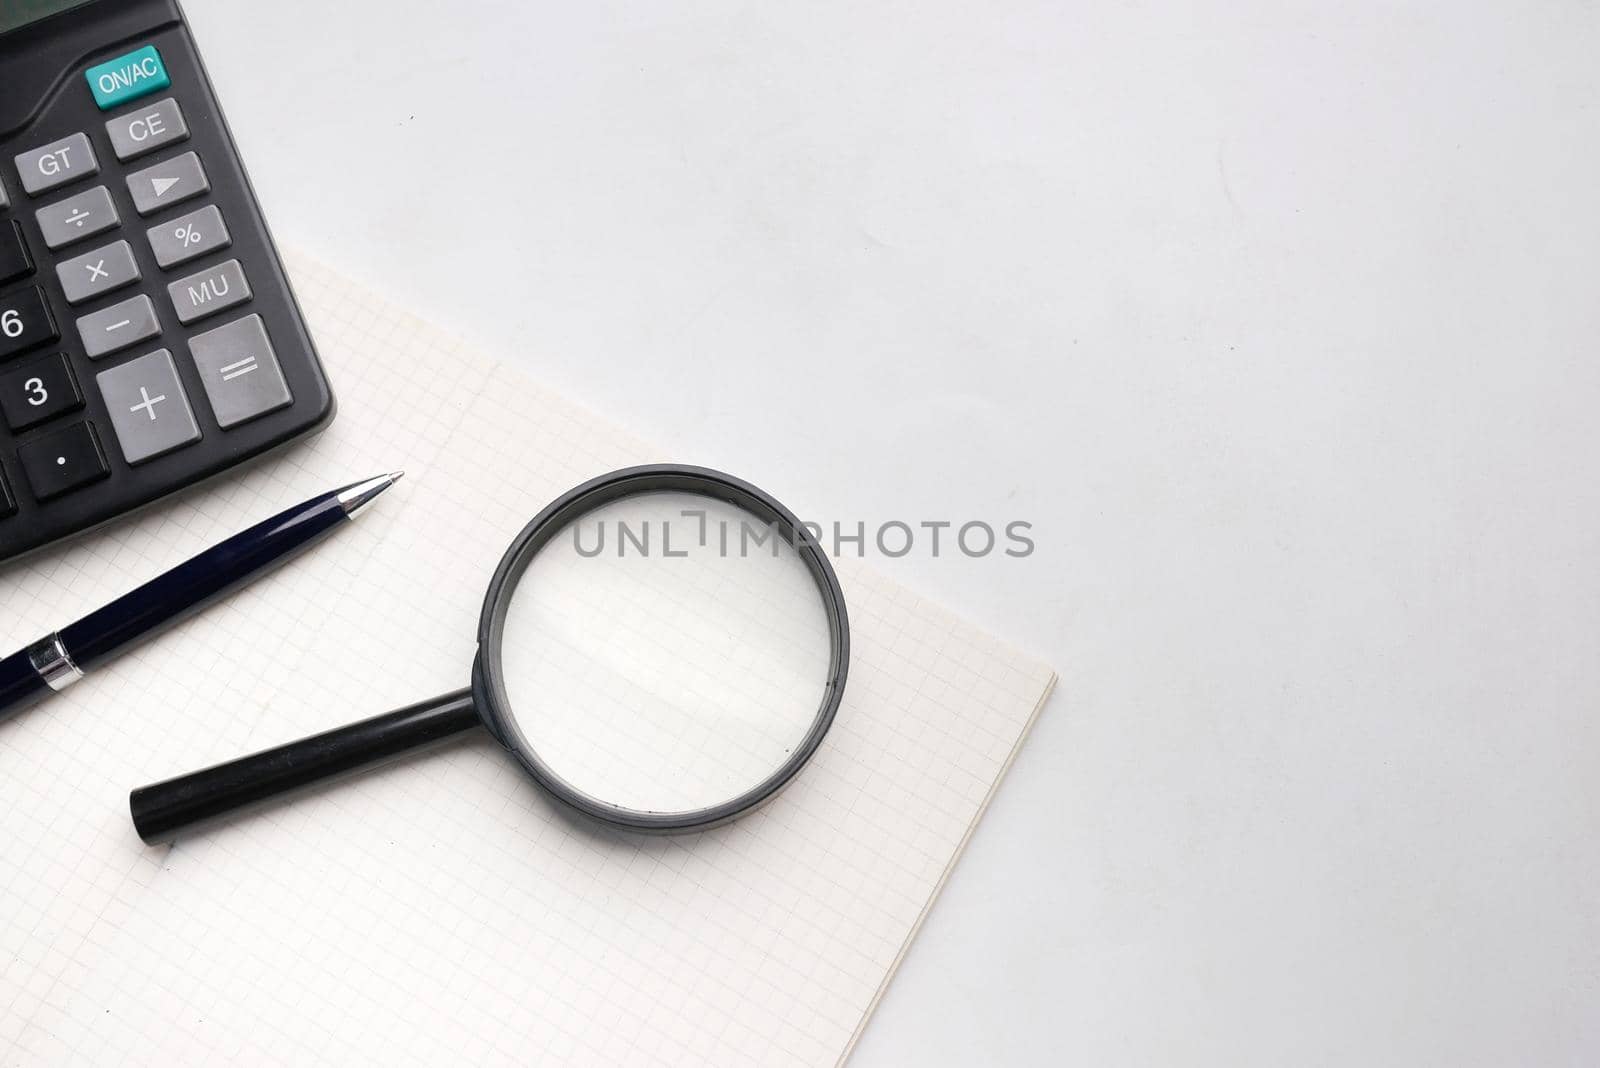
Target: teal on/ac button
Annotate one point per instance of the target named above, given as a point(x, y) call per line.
point(128, 77)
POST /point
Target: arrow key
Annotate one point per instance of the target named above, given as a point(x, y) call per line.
point(168, 182)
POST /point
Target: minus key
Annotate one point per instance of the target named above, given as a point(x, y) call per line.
point(124, 323)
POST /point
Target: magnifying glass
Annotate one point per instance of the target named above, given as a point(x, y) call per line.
point(662, 649)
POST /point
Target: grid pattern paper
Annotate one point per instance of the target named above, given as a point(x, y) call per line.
point(440, 909)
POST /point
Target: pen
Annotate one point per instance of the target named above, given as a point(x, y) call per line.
point(58, 660)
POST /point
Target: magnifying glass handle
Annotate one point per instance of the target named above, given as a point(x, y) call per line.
point(164, 809)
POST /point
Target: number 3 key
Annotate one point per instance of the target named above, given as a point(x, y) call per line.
point(37, 392)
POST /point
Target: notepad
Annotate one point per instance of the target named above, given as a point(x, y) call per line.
point(441, 909)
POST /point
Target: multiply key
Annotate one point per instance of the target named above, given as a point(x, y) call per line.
point(101, 271)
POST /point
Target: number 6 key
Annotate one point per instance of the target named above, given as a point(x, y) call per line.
point(25, 321)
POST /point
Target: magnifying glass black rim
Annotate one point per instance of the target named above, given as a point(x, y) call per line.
point(488, 681)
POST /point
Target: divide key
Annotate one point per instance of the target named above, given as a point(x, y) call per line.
point(87, 213)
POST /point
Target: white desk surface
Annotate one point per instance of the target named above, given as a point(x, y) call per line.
point(1280, 325)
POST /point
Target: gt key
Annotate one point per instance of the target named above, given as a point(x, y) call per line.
point(25, 321)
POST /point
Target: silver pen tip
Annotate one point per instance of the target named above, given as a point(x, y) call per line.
point(396, 476)
point(355, 498)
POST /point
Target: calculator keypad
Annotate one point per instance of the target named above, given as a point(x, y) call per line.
point(145, 399)
point(127, 214)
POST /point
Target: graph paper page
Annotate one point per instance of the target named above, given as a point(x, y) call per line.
point(440, 909)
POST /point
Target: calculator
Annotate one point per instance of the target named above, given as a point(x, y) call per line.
point(148, 336)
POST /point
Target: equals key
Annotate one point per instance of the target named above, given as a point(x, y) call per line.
point(112, 329)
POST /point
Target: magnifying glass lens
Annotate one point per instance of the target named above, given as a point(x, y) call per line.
point(665, 653)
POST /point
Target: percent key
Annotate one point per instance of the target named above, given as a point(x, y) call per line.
point(191, 236)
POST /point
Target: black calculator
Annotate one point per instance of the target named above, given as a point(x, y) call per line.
point(148, 336)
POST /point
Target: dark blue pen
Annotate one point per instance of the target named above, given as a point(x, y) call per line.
point(58, 660)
